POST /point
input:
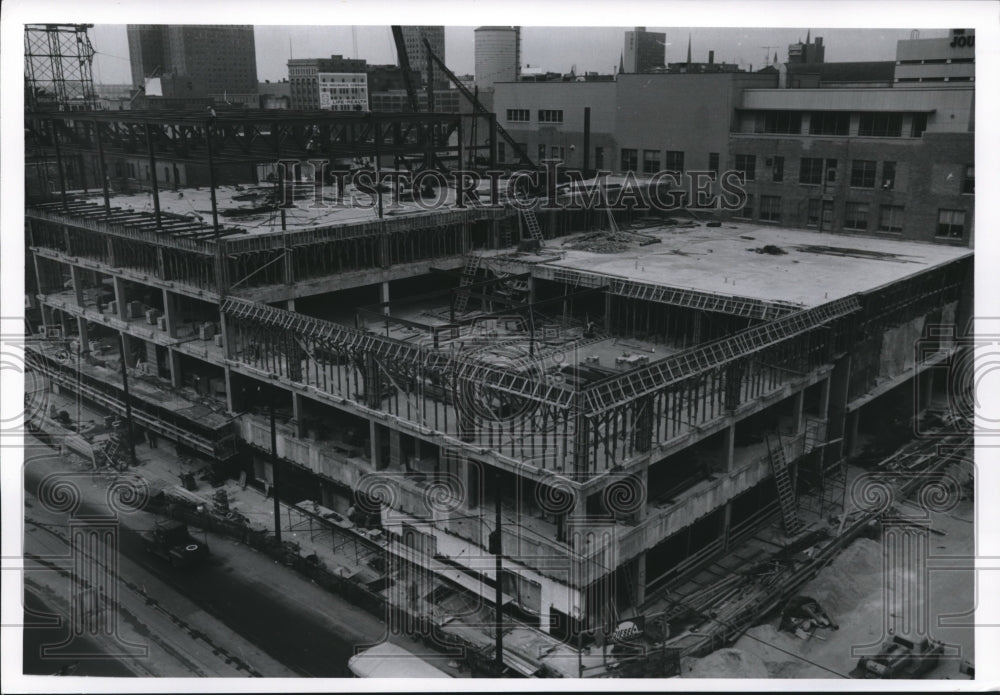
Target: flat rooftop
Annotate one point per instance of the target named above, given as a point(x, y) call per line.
point(248, 206)
point(759, 262)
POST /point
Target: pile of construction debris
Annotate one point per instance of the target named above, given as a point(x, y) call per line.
point(610, 241)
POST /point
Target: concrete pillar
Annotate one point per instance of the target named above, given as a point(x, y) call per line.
point(81, 327)
point(120, 297)
point(111, 254)
point(640, 579)
point(170, 312)
point(227, 342)
point(378, 457)
point(800, 415)
point(824, 398)
point(297, 415)
point(395, 449)
point(176, 378)
point(730, 447)
point(40, 278)
point(696, 329)
point(290, 304)
point(851, 433)
point(384, 290)
point(76, 273)
point(727, 515)
point(66, 322)
point(228, 374)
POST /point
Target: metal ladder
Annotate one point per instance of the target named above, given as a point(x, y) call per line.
point(786, 495)
point(472, 265)
point(531, 222)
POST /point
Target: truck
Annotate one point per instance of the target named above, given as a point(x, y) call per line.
point(171, 541)
point(900, 658)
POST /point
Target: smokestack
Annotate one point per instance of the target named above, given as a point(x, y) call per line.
point(711, 57)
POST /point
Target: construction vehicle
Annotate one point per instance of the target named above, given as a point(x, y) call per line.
point(900, 658)
point(171, 541)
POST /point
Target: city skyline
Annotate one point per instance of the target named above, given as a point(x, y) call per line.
point(589, 49)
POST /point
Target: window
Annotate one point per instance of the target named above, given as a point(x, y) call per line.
point(778, 122)
point(778, 169)
point(650, 161)
point(969, 182)
point(862, 173)
point(951, 224)
point(919, 125)
point(881, 125)
point(770, 208)
point(713, 162)
point(675, 161)
point(518, 115)
point(811, 170)
point(812, 213)
point(550, 116)
point(747, 209)
point(829, 123)
point(831, 170)
point(541, 152)
point(747, 165)
point(888, 176)
point(630, 159)
point(556, 152)
point(855, 215)
point(890, 218)
point(598, 157)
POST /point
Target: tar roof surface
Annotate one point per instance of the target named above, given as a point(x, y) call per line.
point(815, 268)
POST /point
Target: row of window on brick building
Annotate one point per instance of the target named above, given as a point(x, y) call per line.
point(951, 224)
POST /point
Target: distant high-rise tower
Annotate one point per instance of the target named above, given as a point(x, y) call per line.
point(498, 55)
point(194, 60)
point(413, 38)
point(644, 50)
point(807, 52)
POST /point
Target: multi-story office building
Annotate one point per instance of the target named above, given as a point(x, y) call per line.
point(644, 50)
point(343, 91)
point(498, 55)
point(200, 60)
point(303, 75)
point(937, 62)
point(413, 39)
point(808, 53)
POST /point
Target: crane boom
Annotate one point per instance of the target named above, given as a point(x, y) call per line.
point(477, 105)
point(404, 67)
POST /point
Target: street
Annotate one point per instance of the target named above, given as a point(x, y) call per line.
point(239, 614)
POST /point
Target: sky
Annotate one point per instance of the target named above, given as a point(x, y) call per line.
point(557, 49)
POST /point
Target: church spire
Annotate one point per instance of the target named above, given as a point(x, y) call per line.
point(689, 49)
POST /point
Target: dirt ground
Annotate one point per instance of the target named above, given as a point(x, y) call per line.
point(852, 591)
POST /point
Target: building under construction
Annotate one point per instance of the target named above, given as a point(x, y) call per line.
point(582, 370)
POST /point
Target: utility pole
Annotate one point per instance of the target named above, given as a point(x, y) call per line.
point(128, 401)
point(274, 471)
point(497, 549)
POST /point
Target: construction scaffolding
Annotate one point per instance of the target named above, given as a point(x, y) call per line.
point(57, 68)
